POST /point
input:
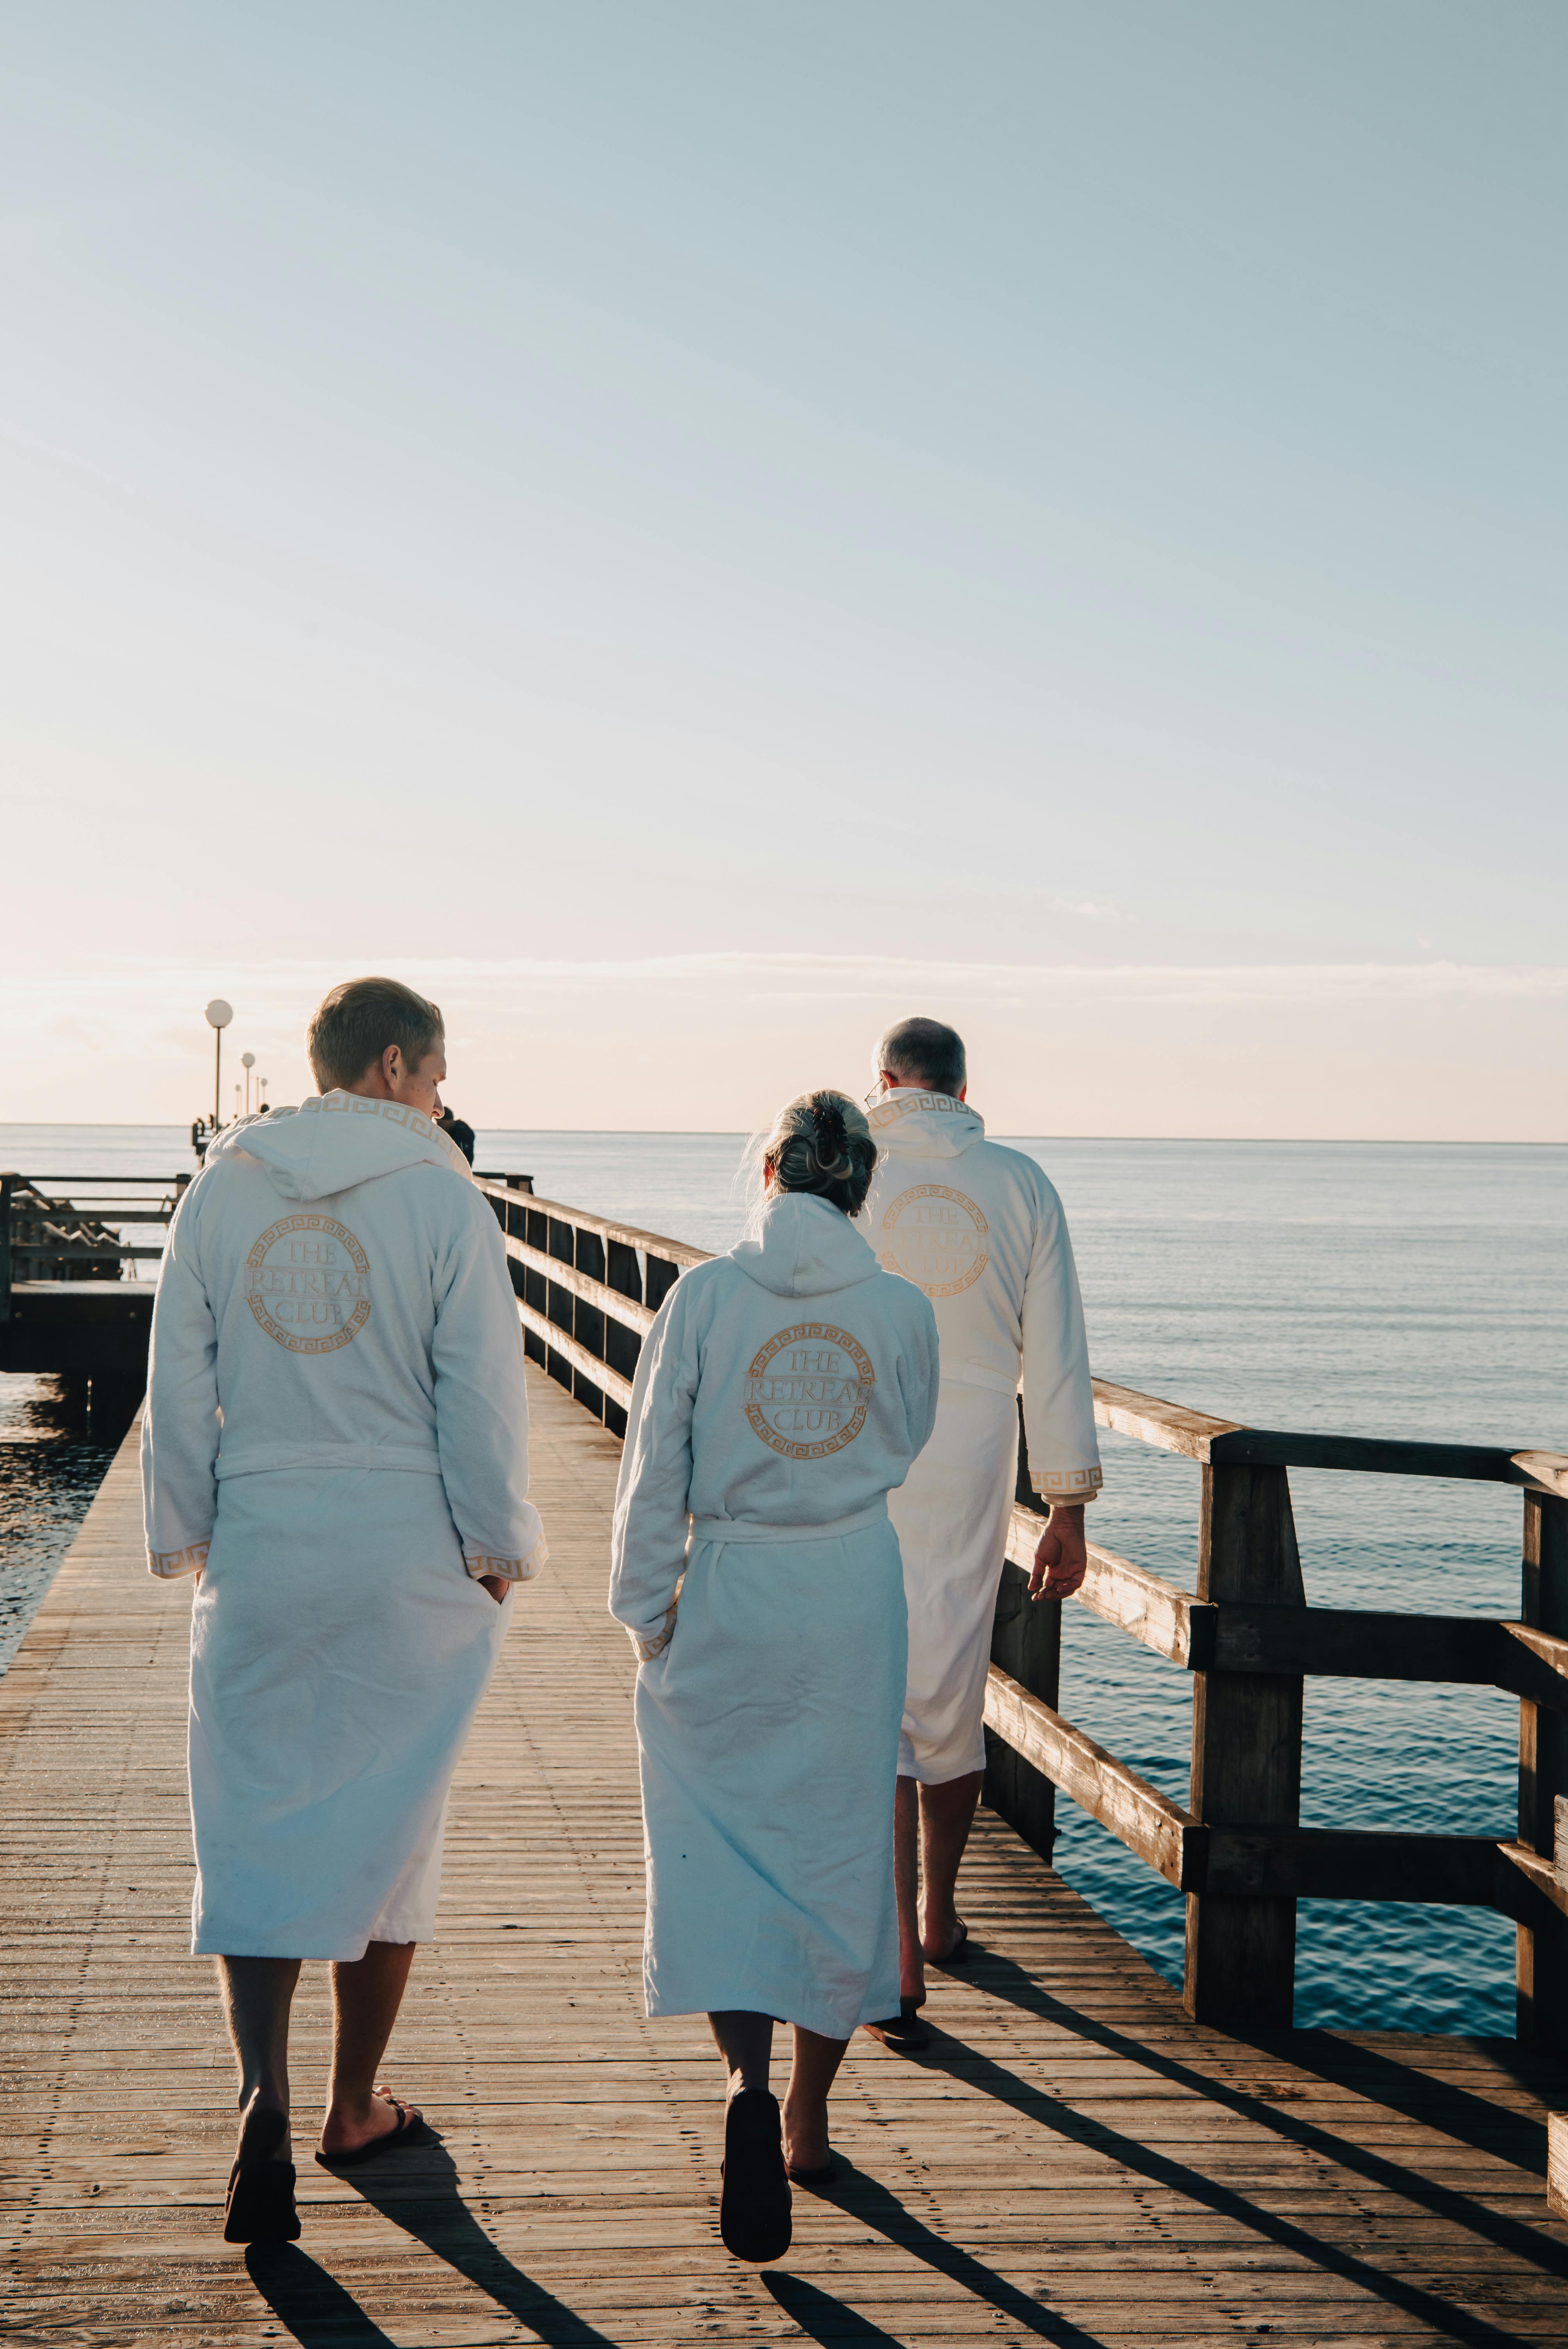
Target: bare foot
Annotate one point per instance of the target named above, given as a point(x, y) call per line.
point(347, 2127)
point(939, 1939)
point(261, 2137)
point(804, 2135)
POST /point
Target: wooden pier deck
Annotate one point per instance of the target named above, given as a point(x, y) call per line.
point(1075, 2162)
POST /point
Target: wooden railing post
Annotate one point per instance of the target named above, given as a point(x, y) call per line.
point(1027, 1643)
point(7, 1185)
point(1246, 1755)
point(1541, 1952)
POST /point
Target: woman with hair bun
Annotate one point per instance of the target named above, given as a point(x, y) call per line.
point(782, 1394)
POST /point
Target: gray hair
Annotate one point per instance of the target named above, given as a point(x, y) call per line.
point(356, 1022)
point(820, 1143)
point(921, 1051)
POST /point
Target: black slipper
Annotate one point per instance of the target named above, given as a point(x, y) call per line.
point(960, 1954)
point(754, 2207)
point(905, 2032)
point(830, 2169)
point(259, 2206)
point(410, 2130)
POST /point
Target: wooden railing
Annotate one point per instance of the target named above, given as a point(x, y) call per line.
point(588, 1289)
point(74, 1232)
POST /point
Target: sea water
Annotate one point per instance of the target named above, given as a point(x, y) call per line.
point(1396, 1289)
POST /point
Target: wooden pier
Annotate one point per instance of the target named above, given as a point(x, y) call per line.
point(1076, 2161)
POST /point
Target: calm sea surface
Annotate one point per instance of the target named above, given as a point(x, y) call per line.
point(1398, 1289)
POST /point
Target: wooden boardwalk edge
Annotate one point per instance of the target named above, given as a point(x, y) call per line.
point(1075, 2162)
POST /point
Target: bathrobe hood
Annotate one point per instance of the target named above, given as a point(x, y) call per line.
point(805, 1248)
point(334, 1141)
point(924, 1125)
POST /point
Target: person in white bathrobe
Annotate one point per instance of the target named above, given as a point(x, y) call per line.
point(981, 1231)
point(336, 1444)
point(780, 1395)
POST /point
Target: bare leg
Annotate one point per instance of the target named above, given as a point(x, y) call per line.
point(257, 1995)
point(907, 1887)
point(365, 1996)
point(946, 1815)
point(745, 2043)
point(817, 2061)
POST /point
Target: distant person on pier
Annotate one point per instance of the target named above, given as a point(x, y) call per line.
point(780, 1396)
point(456, 1130)
point(336, 1446)
point(981, 1231)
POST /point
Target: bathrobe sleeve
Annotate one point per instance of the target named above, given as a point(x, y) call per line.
point(1058, 1400)
point(648, 1545)
point(180, 1423)
point(481, 1401)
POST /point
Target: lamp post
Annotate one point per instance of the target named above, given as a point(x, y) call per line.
point(247, 1062)
point(219, 1015)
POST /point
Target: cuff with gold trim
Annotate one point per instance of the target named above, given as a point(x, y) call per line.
point(651, 1645)
point(1066, 1489)
point(170, 1564)
point(506, 1569)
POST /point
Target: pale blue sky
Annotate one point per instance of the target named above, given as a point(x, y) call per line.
point(497, 487)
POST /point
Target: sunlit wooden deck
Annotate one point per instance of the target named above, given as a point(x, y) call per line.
point(1075, 2162)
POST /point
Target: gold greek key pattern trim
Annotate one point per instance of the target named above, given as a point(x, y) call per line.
point(508, 1569)
point(1067, 1484)
point(170, 1563)
point(360, 1105)
point(648, 1648)
point(907, 1102)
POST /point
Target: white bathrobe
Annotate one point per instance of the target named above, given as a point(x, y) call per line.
point(980, 1230)
point(782, 1394)
point(336, 1437)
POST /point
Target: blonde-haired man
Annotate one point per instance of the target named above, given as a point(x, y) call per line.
point(981, 1230)
point(336, 1446)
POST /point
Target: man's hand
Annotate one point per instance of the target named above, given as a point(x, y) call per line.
point(1061, 1555)
point(497, 1586)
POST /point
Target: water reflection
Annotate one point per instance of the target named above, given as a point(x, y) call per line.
point(57, 1437)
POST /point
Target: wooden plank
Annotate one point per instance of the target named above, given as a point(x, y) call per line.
point(1152, 1610)
point(561, 1342)
point(1074, 2161)
point(630, 1235)
point(1557, 2164)
point(1170, 1427)
point(605, 1299)
point(1143, 1819)
point(1246, 1754)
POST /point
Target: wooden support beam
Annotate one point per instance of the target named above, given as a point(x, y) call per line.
point(1246, 1755)
point(630, 1235)
point(1163, 1617)
point(1158, 1830)
point(1542, 1968)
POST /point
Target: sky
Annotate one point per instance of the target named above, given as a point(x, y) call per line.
point(688, 530)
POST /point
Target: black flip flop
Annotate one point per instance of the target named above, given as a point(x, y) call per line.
point(410, 2130)
point(259, 2206)
point(832, 2167)
point(754, 2207)
point(903, 2032)
point(960, 1954)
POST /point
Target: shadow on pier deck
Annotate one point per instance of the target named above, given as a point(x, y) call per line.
point(1075, 2162)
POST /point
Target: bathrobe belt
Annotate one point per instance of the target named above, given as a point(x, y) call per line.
point(260, 1459)
point(727, 1529)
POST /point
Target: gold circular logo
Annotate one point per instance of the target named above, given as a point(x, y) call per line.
point(807, 1390)
point(307, 1281)
point(935, 1237)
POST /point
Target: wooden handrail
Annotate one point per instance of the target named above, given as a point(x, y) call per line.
point(1246, 1635)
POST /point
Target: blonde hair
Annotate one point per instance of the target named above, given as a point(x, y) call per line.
point(820, 1143)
